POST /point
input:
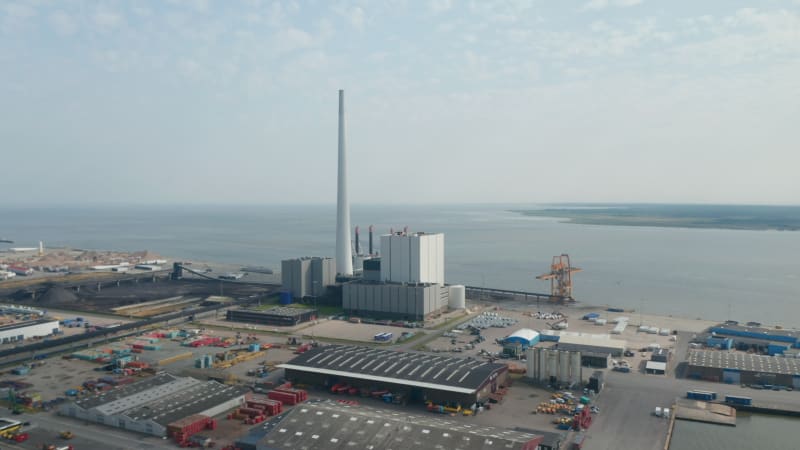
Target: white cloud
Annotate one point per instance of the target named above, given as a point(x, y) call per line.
point(602, 4)
point(440, 6)
point(107, 19)
point(355, 16)
point(63, 23)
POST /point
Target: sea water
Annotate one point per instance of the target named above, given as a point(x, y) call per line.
point(708, 273)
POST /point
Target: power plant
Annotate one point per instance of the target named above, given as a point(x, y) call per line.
point(344, 254)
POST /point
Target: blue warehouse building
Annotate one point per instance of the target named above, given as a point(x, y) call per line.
point(774, 340)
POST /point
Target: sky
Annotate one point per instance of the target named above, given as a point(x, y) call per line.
point(529, 101)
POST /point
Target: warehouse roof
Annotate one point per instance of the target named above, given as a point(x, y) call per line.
point(284, 311)
point(744, 361)
point(462, 375)
point(186, 403)
point(335, 426)
point(30, 323)
point(117, 393)
point(587, 345)
point(755, 332)
point(524, 334)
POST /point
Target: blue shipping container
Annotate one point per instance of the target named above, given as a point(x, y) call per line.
point(591, 316)
point(737, 400)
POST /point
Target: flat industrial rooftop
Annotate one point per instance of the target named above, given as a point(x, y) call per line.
point(163, 398)
point(462, 375)
point(331, 425)
point(744, 361)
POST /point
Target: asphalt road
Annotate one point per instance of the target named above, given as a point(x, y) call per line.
point(45, 428)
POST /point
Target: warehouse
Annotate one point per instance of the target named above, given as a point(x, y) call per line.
point(394, 300)
point(279, 315)
point(519, 341)
point(764, 335)
point(743, 368)
point(330, 425)
point(596, 350)
point(25, 330)
point(416, 377)
point(148, 406)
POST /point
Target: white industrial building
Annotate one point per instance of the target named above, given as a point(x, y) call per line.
point(308, 276)
point(409, 301)
point(412, 258)
point(25, 330)
point(552, 366)
point(150, 405)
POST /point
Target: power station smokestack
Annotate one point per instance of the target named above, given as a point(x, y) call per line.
point(370, 240)
point(358, 242)
point(344, 254)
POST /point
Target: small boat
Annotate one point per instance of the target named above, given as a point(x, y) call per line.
point(6, 241)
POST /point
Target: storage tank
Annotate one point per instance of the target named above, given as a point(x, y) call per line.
point(552, 364)
point(563, 367)
point(575, 374)
point(458, 298)
point(542, 373)
point(285, 297)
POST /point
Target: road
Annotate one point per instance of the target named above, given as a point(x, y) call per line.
point(628, 400)
point(45, 427)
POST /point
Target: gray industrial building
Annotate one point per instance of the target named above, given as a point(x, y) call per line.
point(308, 276)
point(279, 315)
point(406, 301)
point(743, 368)
point(148, 406)
point(418, 376)
point(330, 425)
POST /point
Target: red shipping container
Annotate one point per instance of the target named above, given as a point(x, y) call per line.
point(189, 425)
point(286, 398)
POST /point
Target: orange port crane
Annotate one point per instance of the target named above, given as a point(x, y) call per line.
point(560, 277)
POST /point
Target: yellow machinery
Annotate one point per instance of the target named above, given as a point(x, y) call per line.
point(239, 358)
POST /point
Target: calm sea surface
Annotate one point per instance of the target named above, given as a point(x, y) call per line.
point(686, 272)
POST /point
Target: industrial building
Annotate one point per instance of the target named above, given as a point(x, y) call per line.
point(554, 367)
point(745, 337)
point(330, 425)
point(596, 349)
point(519, 341)
point(405, 301)
point(25, 330)
point(148, 406)
point(308, 276)
point(743, 368)
point(417, 376)
point(412, 257)
point(279, 315)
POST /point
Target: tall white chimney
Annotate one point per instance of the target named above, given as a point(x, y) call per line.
point(344, 254)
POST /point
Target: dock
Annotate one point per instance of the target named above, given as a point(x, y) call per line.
point(699, 411)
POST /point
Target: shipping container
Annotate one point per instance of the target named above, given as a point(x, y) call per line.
point(701, 395)
point(738, 400)
point(188, 425)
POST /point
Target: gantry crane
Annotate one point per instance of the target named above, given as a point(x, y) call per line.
point(560, 277)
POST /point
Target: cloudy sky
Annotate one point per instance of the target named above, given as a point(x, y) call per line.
point(448, 101)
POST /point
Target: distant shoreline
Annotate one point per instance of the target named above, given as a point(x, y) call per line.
point(750, 218)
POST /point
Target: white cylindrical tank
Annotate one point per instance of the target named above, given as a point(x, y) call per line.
point(552, 364)
point(563, 367)
point(542, 373)
point(575, 374)
point(458, 298)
